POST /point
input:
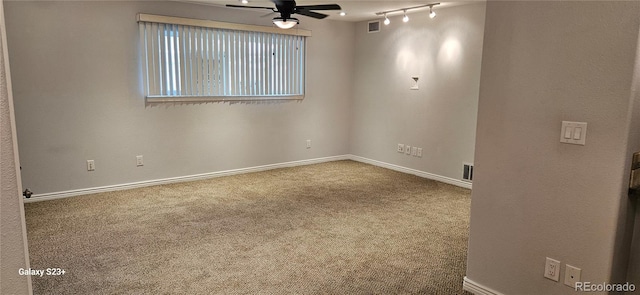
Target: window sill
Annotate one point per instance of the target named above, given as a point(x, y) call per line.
point(174, 99)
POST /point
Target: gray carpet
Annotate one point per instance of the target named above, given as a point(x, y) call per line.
point(333, 228)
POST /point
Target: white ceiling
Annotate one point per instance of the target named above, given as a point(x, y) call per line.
point(357, 10)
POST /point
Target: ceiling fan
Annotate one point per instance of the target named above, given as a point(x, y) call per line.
point(288, 7)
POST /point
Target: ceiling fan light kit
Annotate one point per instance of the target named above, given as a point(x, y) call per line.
point(284, 23)
point(288, 7)
point(405, 18)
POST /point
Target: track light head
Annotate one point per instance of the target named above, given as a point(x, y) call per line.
point(432, 13)
point(386, 20)
point(405, 18)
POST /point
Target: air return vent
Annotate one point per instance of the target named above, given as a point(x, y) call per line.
point(374, 27)
point(467, 171)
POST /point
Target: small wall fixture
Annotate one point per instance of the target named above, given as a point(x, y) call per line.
point(405, 18)
point(414, 85)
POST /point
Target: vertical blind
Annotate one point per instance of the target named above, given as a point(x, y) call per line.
point(192, 61)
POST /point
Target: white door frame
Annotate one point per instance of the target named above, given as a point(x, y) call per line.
point(14, 139)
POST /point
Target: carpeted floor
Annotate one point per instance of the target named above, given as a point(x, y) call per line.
point(333, 228)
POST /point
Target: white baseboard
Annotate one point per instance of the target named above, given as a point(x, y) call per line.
point(423, 174)
point(477, 289)
point(117, 187)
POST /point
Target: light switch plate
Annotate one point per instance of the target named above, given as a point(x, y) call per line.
point(573, 132)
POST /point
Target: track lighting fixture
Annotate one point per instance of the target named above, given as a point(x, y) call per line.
point(245, 1)
point(405, 17)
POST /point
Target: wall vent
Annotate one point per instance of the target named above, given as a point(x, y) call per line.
point(374, 26)
point(467, 171)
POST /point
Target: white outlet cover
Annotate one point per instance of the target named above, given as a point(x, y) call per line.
point(400, 148)
point(407, 149)
point(571, 275)
point(419, 153)
point(552, 269)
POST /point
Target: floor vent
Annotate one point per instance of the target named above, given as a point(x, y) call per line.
point(374, 26)
point(467, 171)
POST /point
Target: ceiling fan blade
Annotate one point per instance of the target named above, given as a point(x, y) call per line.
point(311, 14)
point(319, 7)
point(255, 7)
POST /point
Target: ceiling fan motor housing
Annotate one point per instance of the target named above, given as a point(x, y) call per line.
point(285, 8)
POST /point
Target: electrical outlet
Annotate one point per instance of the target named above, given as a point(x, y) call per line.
point(414, 151)
point(91, 165)
point(407, 150)
point(419, 153)
point(571, 275)
point(400, 148)
point(552, 269)
point(139, 161)
point(308, 143)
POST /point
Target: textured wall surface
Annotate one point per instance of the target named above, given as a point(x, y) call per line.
point(445, 53)
point(78, 93)
point(533, 197)
point(634, 146)
point(12, 235)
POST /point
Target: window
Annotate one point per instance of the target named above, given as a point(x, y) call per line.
point(196, 60)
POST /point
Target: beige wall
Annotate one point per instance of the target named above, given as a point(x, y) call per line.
point(533, 197)
point(633, 274)
point(445, 53)
point(13, 250)
point(78, 97)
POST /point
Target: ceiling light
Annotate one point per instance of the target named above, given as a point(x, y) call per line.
point(342, 13)
point(245, 1)
point(285, 23)
point(405, 19)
